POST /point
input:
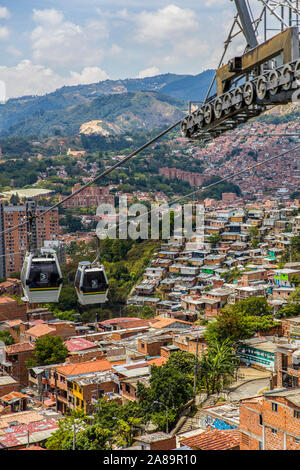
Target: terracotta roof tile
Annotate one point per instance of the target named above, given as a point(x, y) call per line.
point(214, 439)
point(40, 330)
point(86, 367)
point(163, 322)
point(19, 347)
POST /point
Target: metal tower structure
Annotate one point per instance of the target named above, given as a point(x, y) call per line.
point(267, 74)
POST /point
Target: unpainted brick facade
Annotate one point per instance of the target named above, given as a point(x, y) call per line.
point(269, 423)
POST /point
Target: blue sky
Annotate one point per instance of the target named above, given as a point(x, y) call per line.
point(46, 44)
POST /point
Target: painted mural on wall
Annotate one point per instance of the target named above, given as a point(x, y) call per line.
point(217, 423)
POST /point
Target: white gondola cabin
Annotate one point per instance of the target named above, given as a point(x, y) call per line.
point(41, 277)
point(91, 283)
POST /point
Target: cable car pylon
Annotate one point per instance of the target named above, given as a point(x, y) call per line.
point(266, 75)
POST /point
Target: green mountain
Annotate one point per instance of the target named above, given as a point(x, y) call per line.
point(19, 113)
point(128, 111)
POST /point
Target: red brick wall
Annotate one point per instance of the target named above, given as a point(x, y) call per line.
point(249, 422)
point(18, 369)
point(275, 424)
point(11, 310)
point(167, 444)
point(79, 357)
point(5, 389)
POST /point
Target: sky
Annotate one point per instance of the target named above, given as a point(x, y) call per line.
point(47, 44)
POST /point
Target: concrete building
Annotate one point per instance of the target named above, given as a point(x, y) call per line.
point(13, 245)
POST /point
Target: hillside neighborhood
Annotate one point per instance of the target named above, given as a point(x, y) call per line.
point(244, 259)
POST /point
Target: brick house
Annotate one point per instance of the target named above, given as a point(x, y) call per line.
point(271, 421)
point(59, 328)
point(288, 365)
point(71, 384)
point(11, 310)
point(155, 441)
point(16, 357)
point(151, 346)
point(8, 384)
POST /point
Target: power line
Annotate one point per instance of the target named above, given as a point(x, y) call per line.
point(225, 178)
point(97, 178)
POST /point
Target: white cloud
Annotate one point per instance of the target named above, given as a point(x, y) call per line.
point(115, 50)
point(60, 43)
point(167, 23)
point(4, 13)
point(27, 78)
point(215, 3)
point(88, 75)
point(12, 50)
point(150, 72)
point(4, 33)
point(48, 16)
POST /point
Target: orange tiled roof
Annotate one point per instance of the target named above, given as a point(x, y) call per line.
point(40, 330)
point(13, 322)
point(214, 439)
point(163, 322)
point(7, 300)
point(19, 347)
point(86, 367)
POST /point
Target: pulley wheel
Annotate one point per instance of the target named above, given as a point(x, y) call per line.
point(273, 82)
point(208, 113)
point(227, 103)
point(261, 87)
point(218, 108)
point(287, 74)
point(249, 92)
point(238, 98)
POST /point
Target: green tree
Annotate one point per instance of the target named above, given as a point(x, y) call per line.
point(256, 306)
point(126, 430)
point(214, 240)
point(217, 365)
point(170, 384)
point(50, 350)
point(236, 324)
point(87, 437)
point(61, 438)
point(6, 338)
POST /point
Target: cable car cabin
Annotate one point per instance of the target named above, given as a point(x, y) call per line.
point(41, 278)
point(91, 284)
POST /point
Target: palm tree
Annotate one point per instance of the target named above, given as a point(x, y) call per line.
point(218, 365)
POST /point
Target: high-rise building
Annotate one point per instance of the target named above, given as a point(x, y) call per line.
point(13, 245)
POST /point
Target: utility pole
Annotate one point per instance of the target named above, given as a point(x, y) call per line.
point(74, 436)
point(196, 367)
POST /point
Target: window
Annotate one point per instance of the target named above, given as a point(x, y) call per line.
point(274, 431)
point(297, 440)
point(297, 414)
point(260, 420)
point(274, 407)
